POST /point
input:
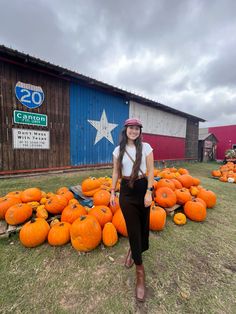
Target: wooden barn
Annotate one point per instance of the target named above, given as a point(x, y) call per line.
point(226, 136)
point(207, 146)
point(53, 118)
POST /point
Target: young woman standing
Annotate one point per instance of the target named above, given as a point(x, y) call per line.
point(132, 159)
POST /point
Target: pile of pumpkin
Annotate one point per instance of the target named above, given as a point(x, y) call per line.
point(178, 187)
point(86, 227)
point(226, 173)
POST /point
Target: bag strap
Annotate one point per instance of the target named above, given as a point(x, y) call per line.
point(131, 158)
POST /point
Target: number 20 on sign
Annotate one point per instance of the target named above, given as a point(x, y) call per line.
point(29, 95)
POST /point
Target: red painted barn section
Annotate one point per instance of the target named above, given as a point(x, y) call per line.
point(226, 136)
point(166, 147)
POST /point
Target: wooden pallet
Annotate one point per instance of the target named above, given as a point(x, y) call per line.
point(84, 200)
point(170, 210)
point(6, 230)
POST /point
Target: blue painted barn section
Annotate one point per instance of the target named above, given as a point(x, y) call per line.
point(96, 119)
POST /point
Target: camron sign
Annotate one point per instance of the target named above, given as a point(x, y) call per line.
point(24, 117)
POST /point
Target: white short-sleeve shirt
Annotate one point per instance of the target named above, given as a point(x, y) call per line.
point(127, 164)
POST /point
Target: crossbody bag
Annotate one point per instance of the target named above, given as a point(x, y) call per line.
point(131, 158)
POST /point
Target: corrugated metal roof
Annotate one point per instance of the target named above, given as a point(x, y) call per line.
point(11, 55)
point(204, 136)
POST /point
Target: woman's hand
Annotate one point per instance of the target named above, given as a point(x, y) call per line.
point(112, 199)
point(148, 199)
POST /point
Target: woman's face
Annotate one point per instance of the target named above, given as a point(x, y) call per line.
point(133, 132)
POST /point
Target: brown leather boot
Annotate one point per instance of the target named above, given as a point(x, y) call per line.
point(140, 283)
point(129, 261)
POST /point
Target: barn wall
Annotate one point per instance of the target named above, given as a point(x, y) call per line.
point(166, 147)
point(164, 131)
point(226, 136)
point(159, 122)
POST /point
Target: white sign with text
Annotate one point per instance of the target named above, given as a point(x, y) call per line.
point(30, 139)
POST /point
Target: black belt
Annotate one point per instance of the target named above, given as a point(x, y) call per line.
point(138, 178)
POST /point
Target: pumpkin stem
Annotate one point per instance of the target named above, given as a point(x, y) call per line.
point(82, 218)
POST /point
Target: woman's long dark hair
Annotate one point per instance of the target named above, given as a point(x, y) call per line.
point(137, 163)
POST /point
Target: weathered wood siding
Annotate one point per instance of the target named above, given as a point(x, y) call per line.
point(55, 106)
point(191, 143)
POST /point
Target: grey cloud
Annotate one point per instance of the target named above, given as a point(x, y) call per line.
point(196, 37)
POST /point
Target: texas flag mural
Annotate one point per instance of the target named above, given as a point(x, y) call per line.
point(103, 128)
point(96, 119)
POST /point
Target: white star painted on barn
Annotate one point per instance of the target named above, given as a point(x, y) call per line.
point(103, 128)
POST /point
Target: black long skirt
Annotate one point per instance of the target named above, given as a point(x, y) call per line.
point(136, 216)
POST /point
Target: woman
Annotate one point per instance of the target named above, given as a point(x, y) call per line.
point(131, 160)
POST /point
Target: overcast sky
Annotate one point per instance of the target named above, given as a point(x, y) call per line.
point(181, 53)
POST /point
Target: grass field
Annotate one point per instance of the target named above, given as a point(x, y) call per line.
point(189, 269)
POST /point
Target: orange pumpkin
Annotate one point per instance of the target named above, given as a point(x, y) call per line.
point(165, 197)
point(72, 212)
point(31, 195)
point(180, 219)
point(109, 234)
point(73, 201)
point(18, 213)
point(223, 178)
point(119, 222)
point(177, 184)
point(183, 195)
point(168, 175)
point(193, 190)
point(208, 196)
point(196, 181)
point(102, 213)
point(66, 193)
point(43, 200)
point(34, 232)
point(56, 203)
point(165, 182)
point(157, 218)
point(7, 202)
point(183, 171)
point(14, 194)
point(41, 212)
point(197, 199)
point(86, 233)
point(195, 211)
point(156, 172)
point(101, 197)
point(62, 189)
point(34, 205)
point(216, 173)
point(59, 234)
point(105, 181)
point(186, 180)
point(90, 186)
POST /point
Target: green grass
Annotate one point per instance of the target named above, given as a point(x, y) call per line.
point(189, 269)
